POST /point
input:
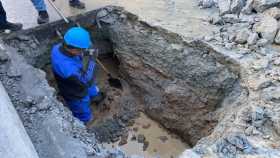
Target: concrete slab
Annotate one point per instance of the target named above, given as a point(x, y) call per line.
point(14, 141)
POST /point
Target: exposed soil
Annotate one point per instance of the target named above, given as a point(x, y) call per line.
point(222, 103)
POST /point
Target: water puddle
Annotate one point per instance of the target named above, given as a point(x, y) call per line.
point(148, 134)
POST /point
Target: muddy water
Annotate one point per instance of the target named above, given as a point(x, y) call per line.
point(181, 16)
point(161, 143)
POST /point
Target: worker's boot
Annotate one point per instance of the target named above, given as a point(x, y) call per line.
point(43, 17)
point(77, 4)
point(10, 26)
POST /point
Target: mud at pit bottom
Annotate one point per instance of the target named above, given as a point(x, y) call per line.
point(119, 123)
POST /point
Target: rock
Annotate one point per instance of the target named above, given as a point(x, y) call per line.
point(3, 56)
point(189, 153)
point(249, 130)
point(262, 42)
point(277, 38)
point(44, 105)
point(253, 38)
point(224, 6)
point(247, 9)
point(123, 140)
point(262, 5)
point(242, 36)
point(141, 138)
point(266, 136)
point(272, 94)
point(267, 27)
point(145, 145)
point(258, 114)
point(135, 129)
point(273, 12)
point(206, 3)
point(163, 138)
point(208, 38)
point(229, 45)
point(57, 144)
point(146, 126)
point(236, 6)
point(13, 71)
point(276, 61)
point(133, 138)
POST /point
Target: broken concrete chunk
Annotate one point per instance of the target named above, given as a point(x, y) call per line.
point(13, 72)
point(253, 38)
point(277, 38)
point(3, 56)
point(206, 3)
point(242, 36)
point(141, 138)
point(262, 42)
point(267, 27)
point(262, 5)
point(272, 94)
point(273, 12)
point(236, 6)
point(247, 9)
point(56, 143)
point(224, 6)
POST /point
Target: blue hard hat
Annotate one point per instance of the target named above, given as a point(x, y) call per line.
point(77, 37)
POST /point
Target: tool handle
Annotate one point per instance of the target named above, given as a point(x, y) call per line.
point(58, 11)
point(103, 67)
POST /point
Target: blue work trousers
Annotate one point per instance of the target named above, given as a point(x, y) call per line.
point(81, 108)
point(41, 6)
point(3, 17)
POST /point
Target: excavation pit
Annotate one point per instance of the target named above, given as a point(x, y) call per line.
point(179, 85)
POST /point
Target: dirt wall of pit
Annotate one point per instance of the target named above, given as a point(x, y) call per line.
point(182, 83)
point(214, 98)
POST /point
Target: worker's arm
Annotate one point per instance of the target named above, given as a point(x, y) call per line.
point(86, 76)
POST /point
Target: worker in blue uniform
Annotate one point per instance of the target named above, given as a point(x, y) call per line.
point(75, 81)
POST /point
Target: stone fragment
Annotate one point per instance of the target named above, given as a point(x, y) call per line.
point(273, 12)
point(163, 138)
point(262, 5)
point(141, 138)
point(277, 38)
point(146, 126)
point(208, 38)
point(229, 45)
point(253, 38)
point(242, 36)
point(249, 130)
point(236, 6)
point(124, 138)
point(267, 27)
point(135, 129)
point(206, 3)
point(133, 138)
point(272, 94)
point(224, 6)
point(13, 71)
point(145, 145)
point(247, 9)
point(262, 42)
point(3, 56)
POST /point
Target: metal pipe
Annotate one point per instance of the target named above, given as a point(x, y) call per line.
point(58, 11)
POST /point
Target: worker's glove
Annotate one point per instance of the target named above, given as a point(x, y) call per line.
point(93, 53)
